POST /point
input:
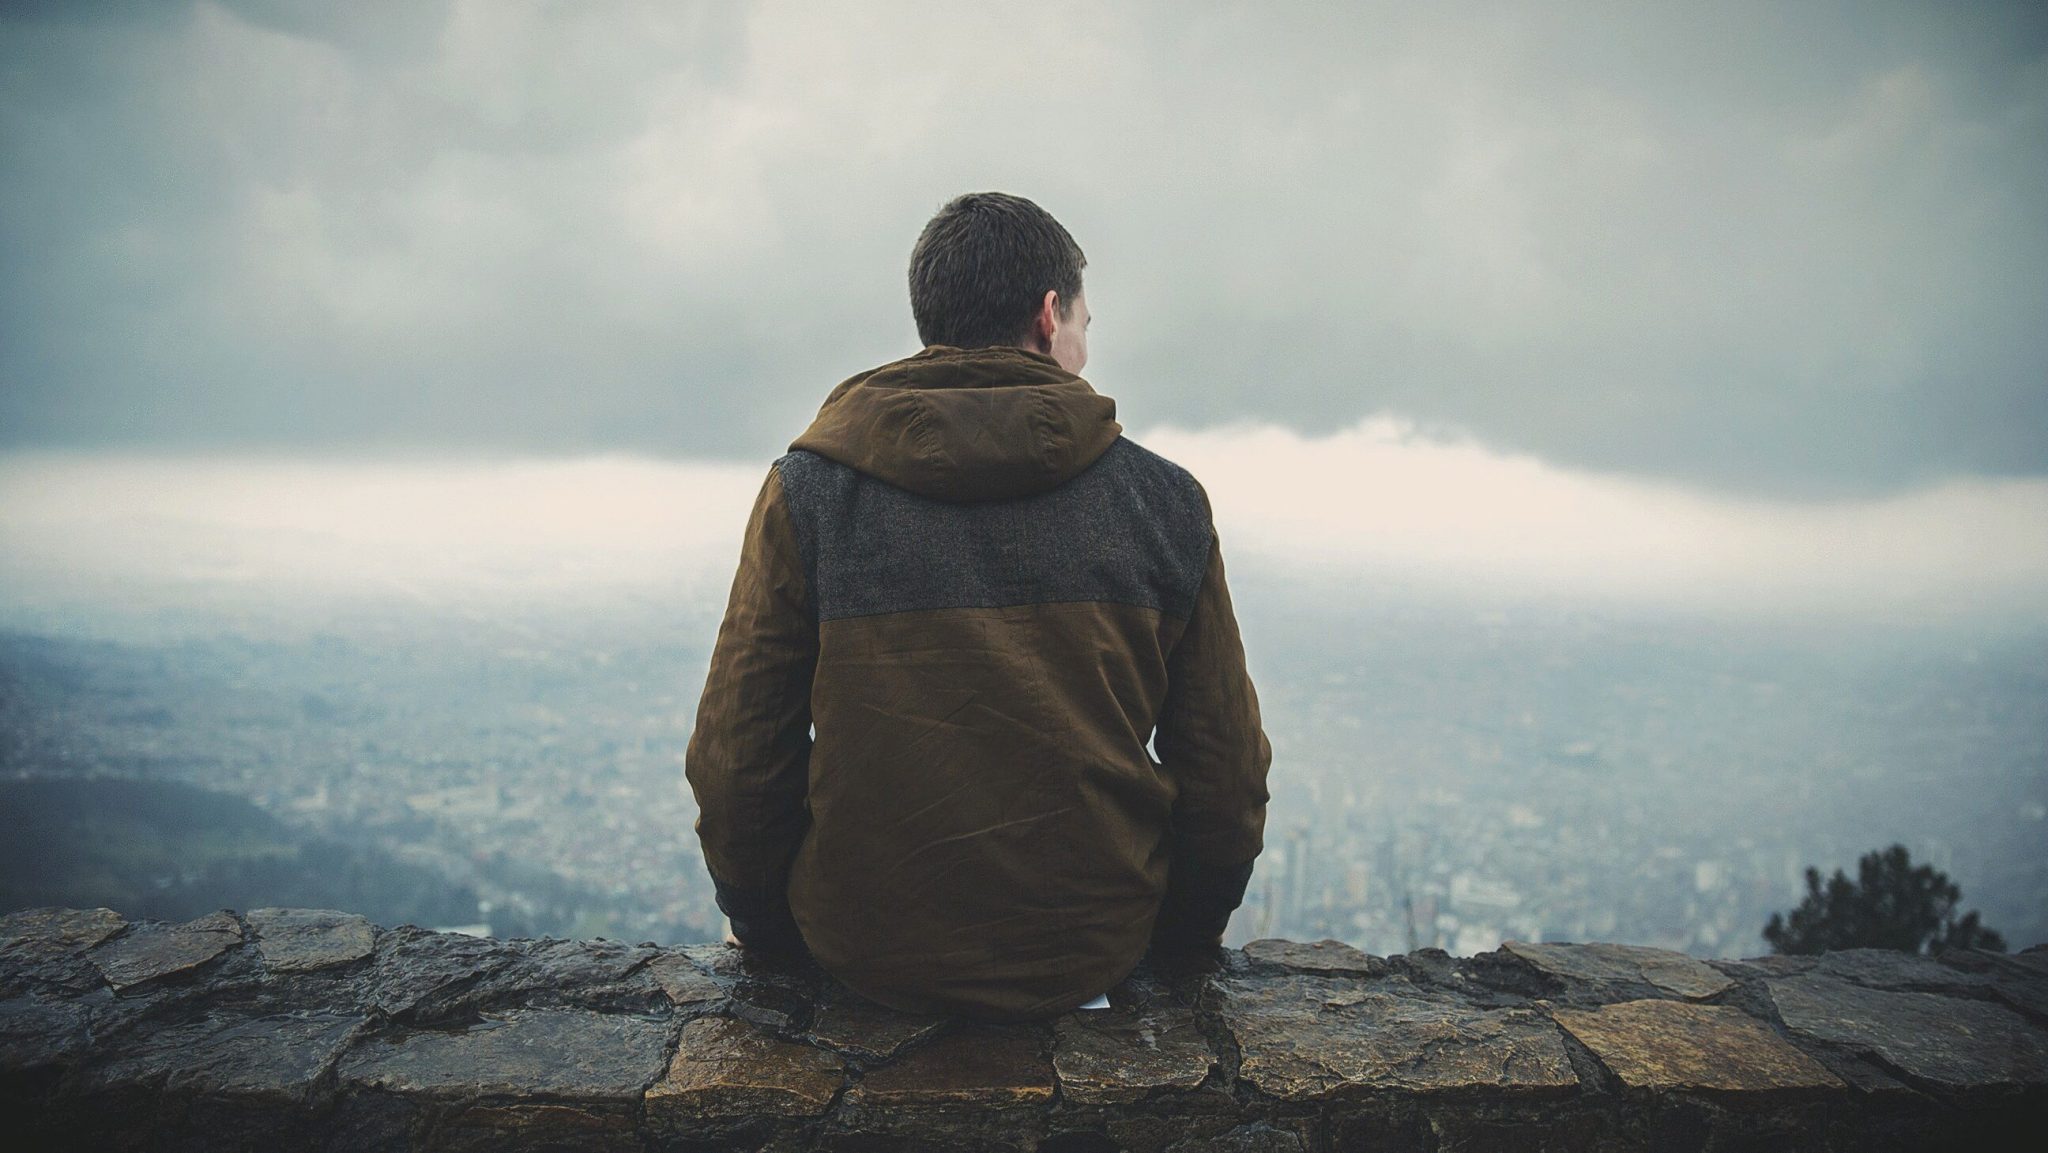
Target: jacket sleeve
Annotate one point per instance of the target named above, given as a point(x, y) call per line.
point(1209, 738)
point(748, 761)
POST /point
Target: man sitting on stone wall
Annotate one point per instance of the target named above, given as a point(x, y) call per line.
point(964, 604)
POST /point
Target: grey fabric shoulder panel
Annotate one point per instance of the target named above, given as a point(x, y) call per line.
point(1133, 529)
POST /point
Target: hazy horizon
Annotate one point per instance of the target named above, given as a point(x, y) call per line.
point(1378, 505)
point(1627, 429)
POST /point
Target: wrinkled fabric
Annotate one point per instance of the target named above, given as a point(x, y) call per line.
point(989, 603)
point(965, 425)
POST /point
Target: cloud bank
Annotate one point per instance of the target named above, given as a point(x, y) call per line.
point(1789, 249)
point(1378, 508)
point(1381, 499)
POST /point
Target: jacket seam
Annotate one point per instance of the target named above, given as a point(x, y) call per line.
point(807, 561)
point(928, 439)
point(1201, 585)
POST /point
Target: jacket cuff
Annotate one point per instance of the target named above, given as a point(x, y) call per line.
point(1199, 901)
point(760, 919)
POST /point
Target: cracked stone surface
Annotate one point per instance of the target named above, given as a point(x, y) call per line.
point(1945, 1042)
point(869, 1031)
point(726, 1067)
point(1906, 972)
point(1108, 1056)
point(555, 1052)
point(1772, 966)
point(1674, 973)
point(301, 940)
point(148, 952)
point(574, 974)
point(277, 1057)
point(1327, 957)
point(683, 982)
point(37, 1030)
point(771, 990)
point(34, 935)
point(320, 1030)
point(979, 1066)
point(2020, 980)
point(1307, 1038)
point(1679, 1046)
point(423, 975)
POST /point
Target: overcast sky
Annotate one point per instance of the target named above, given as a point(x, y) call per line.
point(1790, 250)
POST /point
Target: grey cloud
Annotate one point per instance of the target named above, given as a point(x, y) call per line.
point(1781, 247)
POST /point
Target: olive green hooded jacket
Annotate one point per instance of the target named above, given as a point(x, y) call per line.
point(965, 604)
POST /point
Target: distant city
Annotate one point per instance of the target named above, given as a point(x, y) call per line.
point(1444, 775)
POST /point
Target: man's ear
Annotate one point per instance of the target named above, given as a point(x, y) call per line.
point(1047, 322)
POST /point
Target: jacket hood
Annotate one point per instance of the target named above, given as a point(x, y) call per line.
point(965, 424)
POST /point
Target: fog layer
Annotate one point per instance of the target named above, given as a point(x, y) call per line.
point(1378, 507)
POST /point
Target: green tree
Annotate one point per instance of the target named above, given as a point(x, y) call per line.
point(1892, 904)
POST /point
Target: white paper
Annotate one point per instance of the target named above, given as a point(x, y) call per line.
point(1100, 1002)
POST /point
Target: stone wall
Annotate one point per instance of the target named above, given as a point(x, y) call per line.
point(300, 1029)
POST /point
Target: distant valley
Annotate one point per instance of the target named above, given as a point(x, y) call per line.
point(1445, 774)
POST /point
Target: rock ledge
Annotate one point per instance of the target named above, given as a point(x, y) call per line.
point(310, 1029)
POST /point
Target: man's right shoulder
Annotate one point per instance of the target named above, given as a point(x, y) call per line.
point(1167, 470)
point(800, 459)
point(1165, 488)
point(805, 475)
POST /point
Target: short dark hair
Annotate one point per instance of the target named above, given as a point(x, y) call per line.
point(983, 264)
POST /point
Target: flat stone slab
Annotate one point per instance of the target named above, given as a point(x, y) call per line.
point(1947, 1042)
point(301, 940)
point(1107, 1056)
point(1304, 1038)
point(869, 1031)
point(772, 989)
point(570, 1053)
point(555, 963)
point(419, 974)
point(726, 1067)
point(151, 951)
point(682, 981)
point(278, 1058)
point(1775, 965)
point(2019, 979)
point(1328, 957)
point(574, 974)
point(1674, 973)
point(733, 963)
point(977, 1067)
point(1891, 969)
point(35, 935)
point(1671, 1045)
point(38, 1031)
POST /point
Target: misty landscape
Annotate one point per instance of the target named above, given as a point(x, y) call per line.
point(1627, 432)
point(497, 745)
